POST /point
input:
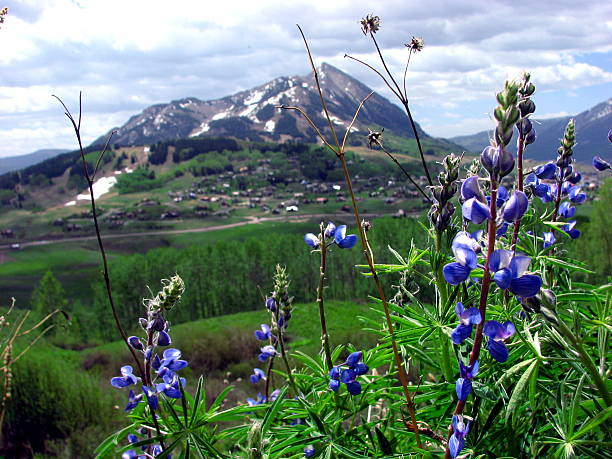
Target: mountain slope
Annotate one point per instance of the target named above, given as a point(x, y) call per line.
point(253, 114)
point(14, 163)
point(591, 135)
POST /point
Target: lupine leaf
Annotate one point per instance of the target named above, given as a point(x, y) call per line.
point(385, 445)
point(592, 423)
point(518, 389)
point(199, 396)
point(219, 400)
point(272, 412)
point(109, 444)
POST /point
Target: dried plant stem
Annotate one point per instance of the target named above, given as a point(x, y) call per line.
point(90, 181)
point(339, 151)
point(322, 269)
point(484, 295)
point(408, 176)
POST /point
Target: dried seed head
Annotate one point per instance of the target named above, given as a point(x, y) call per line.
point(416, 44)
point(375, 137)
point(370, 24)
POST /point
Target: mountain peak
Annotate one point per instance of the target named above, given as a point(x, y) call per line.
point(254, 114)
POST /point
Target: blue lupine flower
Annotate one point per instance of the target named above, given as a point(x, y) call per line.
point(133, 400)
point(126, 378)
point(170, 387)
point(170, 362)
point(263, 334)
point(576, 196)
point(463, 387)
point(516, 206)
point(570, 230)
point(468, 318)
point(274, 395)
point(260, 399)
point(266, 352)
point(549, 239)
point(257, 375)
point(312, 240)
point(131, 438)
point(475, 211)
point(566, 210)
point(457, 440)
point(135, 342)
point(546, 171)
point(509, 269)
point(600, 164)
point(531, 180)
point(151, 395)
point(342, 240)
point(463, 247)
point(349, 375)
point(497, 334)
point(163, 339)
point(271, 304)
point(129, 454)
point(309, 451)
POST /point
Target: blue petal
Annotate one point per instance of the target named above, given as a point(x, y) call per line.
point(353, 387)
point(498, 350)
point(353, 359)
point(463, 387)
point(461, 333)
point(455, 445)
point(347, 242)
point(361, 369)
point(334, 373)
point(475, 211)
point(330, 230)
point(516, 206)
point(549, 239)
point(120, 382)
point(492, 328)
point(163, 339)
point(334, 384)
point(466, 256)
point(177, 365)
point(500, 259)
point(600, 164)
point(311, 240)
point(459, 308)
point(340, 233)
point(546, 171)
point(503, 278)
point(526, 286)
point(470, 188)
point(455, 273)
point(347, 376)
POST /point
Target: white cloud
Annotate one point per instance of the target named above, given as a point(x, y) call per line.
point(128, 55)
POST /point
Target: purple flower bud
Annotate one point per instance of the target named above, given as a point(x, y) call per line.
point(309, 451)
point(546, 171)
point(524, 126)
point(516, 206)
point(599, 163)
point(271, 304)
point(530, 137)
point(135, 342)
point(471, 189)
point(574, 178)
point(163, 339)
point(498, 161)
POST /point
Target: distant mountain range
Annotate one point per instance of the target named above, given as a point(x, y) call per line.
point(253, 114)
point(592, 128)
point(14, 163)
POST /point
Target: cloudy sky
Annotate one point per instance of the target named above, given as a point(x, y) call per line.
point(127, 55)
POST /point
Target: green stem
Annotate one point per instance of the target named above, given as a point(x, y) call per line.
point(324, 334)
point(443, 299)
point(284, 357)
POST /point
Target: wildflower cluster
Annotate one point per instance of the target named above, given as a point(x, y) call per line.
point(160, 374)
point(331, 235)
point(348, 373)
point(599, 163)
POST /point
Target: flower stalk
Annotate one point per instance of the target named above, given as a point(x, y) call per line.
point(320, 288)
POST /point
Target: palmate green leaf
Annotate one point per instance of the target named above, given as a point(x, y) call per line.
point(108, 446)
point(197, 402)
point(519, 388)
point(592, 423)
point(204, 449)
point(272, 412)
point(565, 264)
point(484, 391)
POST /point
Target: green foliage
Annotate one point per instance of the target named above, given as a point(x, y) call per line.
point(140, 179)
point(48, 295)
point(49, 399)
